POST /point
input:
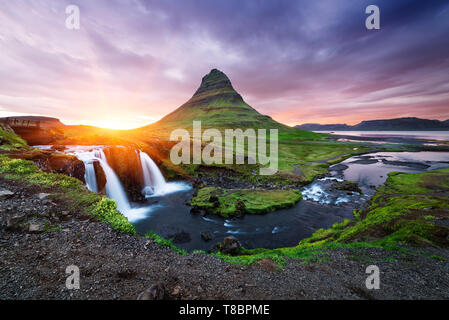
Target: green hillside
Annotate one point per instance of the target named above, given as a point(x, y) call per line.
point(217, 105)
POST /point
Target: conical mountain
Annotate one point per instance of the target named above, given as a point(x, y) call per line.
point(217, 105)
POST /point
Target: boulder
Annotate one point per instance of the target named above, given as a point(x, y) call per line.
point(346, 186)
point(207, 236)
point(230, 246)
point(180, 237)
point(156, 292)
point(14, 221)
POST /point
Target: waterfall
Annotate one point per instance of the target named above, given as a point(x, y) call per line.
point(114, 188)
point(155, 184)
point(90, 176)
point(154, 181)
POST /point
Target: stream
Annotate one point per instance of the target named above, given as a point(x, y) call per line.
point(166, 213)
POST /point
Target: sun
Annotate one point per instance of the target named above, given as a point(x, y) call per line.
point(115, 124)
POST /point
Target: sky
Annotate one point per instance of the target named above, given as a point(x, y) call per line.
point(133, 61)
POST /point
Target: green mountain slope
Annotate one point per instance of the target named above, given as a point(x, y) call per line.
point(216, 104)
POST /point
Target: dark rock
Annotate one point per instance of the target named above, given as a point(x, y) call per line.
point(230, 246)
point(180, 237)
point(13, 221)
point(207, 236)
point(100, 175)
point(156, 292)
point(346, 186)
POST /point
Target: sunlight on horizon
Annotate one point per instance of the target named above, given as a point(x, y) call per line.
point(117, 124)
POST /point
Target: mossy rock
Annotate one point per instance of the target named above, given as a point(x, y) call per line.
point(229, 203)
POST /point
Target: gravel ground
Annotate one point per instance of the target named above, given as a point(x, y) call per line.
point(115, 266)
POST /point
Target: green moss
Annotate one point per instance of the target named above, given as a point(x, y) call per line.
point(439, 258)
point(9, 141)
point(228, 203)
point(48, 227)
point(164, 242)
point(106, 210)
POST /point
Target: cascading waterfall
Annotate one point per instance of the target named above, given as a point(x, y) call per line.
point(155, 184)
point(90, 177)
point(114, 188)
point(153, 179)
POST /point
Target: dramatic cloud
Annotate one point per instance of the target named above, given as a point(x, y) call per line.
point(134, 61)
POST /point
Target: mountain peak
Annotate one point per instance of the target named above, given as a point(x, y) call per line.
point(217, 105)
point(214, 80)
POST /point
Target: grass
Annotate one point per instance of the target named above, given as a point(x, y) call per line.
point(9, 141)
point(165, 242)
point(228, 203)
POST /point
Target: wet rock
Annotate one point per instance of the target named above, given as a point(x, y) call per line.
point(100, 175)
point(207, 236)
point(181, 237)
point(58, 163)
point(6, 194)
point(156, 292)
point(58, 148)
point(230, 246)
point(346, 186)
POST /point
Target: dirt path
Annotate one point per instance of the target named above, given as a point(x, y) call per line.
point(115, 266)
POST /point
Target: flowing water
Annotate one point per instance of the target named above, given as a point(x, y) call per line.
point(166, 211)
point(155, 184)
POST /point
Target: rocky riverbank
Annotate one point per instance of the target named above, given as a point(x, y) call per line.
point(117, 266)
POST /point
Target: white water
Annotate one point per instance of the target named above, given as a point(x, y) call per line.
point(155, 184)
point(90, 177)
point(114, 188)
